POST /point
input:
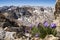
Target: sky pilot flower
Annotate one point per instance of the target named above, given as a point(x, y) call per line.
point(53, 25)
point(46, 24)
point(37, 35)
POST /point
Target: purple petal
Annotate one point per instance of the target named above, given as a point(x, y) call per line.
point(46, 24)
point(53, 25)
point(36, 35)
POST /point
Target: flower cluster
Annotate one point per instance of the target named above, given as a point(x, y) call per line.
point(46, 24)
point(52, 25)
point(44, 29)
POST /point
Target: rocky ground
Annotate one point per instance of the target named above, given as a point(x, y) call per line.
point(12, 18)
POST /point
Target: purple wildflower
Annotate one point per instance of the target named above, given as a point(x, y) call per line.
point(46, 24)
point(37, 35)
point(31, 26)
point(26, 31)
point(53, 25)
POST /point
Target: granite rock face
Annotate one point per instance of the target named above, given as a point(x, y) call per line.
point(57, 17)
point(57, 9)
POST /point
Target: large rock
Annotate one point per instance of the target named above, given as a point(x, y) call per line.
point(51, 37)
point(2, 34)
point(9, 36)
point(57, 9)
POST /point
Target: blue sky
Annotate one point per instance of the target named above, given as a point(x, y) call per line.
point(27, 2)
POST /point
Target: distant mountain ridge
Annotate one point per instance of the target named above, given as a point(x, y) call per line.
point(28, 15)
